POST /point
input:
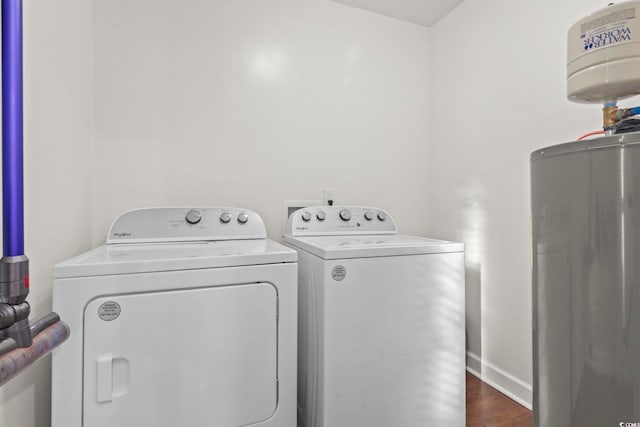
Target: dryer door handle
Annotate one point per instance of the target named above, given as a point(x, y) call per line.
point(112, 378)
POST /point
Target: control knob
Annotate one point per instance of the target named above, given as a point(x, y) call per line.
point(225, 218)
point(306, 216)
point(382, 216)
point(368, 215)
point(243, 218)
point(193, 216)
point(321, 216)
point(345, 215)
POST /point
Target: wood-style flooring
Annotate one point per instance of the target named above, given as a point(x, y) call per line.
point(487, 407)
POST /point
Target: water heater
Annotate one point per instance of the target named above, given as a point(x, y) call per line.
point(586, 239)
point(603, 55)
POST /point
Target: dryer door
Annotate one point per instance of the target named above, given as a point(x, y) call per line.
point(200, 357)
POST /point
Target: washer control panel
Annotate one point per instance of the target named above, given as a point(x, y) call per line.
point(340, 220)
point(185, 225)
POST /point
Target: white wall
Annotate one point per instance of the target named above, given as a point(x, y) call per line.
point(498, 93)
point(222, 102)
point(252, 102)
point(57, 172)
point(249, 102)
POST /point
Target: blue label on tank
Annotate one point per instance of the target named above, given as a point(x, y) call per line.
point(606, 38)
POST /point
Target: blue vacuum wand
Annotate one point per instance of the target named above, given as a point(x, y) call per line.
point(20, 344)
point(14, 265)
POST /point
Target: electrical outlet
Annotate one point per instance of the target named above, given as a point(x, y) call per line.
point(328, 196)
point(290, 206)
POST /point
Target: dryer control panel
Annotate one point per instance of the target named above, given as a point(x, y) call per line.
point(185, 225)
point(340, 220)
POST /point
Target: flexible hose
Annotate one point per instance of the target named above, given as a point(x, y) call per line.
point(588, 134)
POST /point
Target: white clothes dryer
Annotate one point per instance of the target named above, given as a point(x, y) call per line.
point(381, 322)
point(186, 317)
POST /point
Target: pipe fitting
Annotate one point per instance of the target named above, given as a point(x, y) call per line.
point(22, 311)
point(7, 316)
point(14, 310)
point(10, 314)
point(14, 279)
point(610, 116)
point(624, 113)
point(20, 332)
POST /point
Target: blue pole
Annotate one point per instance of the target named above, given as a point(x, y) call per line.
point(12, 137)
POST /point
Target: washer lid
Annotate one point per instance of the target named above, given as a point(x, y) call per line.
point(147, 258)
point(366, 246)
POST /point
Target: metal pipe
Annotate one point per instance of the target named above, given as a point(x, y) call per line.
point(43, 323)
point(14, 266)
point(16, 361)
point(12, 129)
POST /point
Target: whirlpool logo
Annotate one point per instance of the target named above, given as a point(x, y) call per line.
point(606, 38)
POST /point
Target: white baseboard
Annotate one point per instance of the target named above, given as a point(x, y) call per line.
point(502, 381)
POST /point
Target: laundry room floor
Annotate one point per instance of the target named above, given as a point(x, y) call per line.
point(487, 407)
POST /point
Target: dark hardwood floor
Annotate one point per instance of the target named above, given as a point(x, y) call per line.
point(487, 407)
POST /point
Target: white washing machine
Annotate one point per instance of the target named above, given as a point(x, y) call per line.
point(381, 339)
point(186, 317)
